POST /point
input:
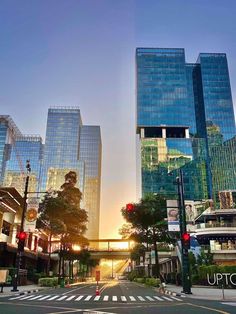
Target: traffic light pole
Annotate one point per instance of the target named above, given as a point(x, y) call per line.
point(186, 282)
point(19, 250)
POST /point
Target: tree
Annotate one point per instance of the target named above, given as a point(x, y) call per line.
point(148, 218)
point(62, 217)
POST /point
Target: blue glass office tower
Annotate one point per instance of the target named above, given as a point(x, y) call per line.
point(90, 153)
point(8, 133)
point(71, 146)
point(184, 120)
point(25, 147)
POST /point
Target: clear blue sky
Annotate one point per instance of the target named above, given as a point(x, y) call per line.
point(81, 53)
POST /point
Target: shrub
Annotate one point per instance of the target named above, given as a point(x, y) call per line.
point(154, 282)
point(140, 280)
point(48, 282)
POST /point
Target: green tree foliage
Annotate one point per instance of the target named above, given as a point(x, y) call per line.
point(148, 218)
point(61, 215)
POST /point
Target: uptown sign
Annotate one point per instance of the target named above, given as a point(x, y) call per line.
point(218, 278)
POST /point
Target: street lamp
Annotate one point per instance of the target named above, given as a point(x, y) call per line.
point(185, 238)
point(21, 235)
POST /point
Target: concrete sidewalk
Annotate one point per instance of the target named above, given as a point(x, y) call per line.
point(22, 290)
point(204, 292)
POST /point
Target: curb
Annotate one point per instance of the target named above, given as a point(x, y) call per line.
point(175, 294)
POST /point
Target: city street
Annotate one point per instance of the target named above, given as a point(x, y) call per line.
point(114, 297)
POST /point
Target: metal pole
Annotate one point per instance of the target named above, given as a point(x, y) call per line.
point(19, 252)
point(186, 282)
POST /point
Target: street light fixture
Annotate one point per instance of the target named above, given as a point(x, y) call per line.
point(22, 234)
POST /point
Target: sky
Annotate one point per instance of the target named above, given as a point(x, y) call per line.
point(81, 53)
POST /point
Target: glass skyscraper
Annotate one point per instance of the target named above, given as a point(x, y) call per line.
point(185, 120)
point(90, 154)
point(69, 146)
point(72, 146)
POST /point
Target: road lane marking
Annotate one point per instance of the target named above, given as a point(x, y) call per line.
point(45, 297)
point(62, 298)
point(123, 298)
point(79, 298)
point(141, 298)
point(97, 298)
point(159, 299)
point(19, 297)
point(168, 299)
point(114, 298)
point(207, 308)
point(177, 299)
point(54, 297)
point(150, 298)
point(106, 297)
point(71, 297)
point(37, 297)
point(25, 298)
point(132, 298)
point(88, 298)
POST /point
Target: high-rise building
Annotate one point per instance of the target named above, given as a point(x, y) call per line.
point(72, 146)
point(69, 146)
point(25, 147)
point(185, 120)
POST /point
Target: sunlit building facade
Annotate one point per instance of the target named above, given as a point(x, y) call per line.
point(71, 146)
point(90, 153)
point(185, 120)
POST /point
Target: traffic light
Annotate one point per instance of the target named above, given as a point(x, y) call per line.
point(21, 236)
point(186, 241)
point(130, 207)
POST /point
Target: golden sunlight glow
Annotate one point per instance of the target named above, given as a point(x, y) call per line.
point(76, 247)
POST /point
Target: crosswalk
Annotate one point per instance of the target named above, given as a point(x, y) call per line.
point(101, 298)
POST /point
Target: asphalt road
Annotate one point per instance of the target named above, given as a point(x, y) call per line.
point(115, 297)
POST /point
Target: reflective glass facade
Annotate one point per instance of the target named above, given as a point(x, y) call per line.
point(61, 152)
point(72, 146)
point(184, 112)
point(90, 153)
point(8, 133)
point(24, 148)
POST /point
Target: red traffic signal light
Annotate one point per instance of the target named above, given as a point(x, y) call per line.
point(186, 241)
point(130, 207)
point(22, 236)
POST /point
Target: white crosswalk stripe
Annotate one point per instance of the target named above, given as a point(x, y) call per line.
point(106, 297)
point(168, 299)
point(71, 298)
point(54, 297)
point(62, 298)
point(101, 298)
point(25, 298)
point(45, 297)
point(37, 297)
point(79, 298)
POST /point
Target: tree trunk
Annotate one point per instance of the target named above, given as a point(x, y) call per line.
point(49, 255)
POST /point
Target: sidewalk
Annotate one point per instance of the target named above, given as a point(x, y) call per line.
point(22, 290)
point(204, 292)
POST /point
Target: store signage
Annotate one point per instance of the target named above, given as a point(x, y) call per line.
point(218, 278)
